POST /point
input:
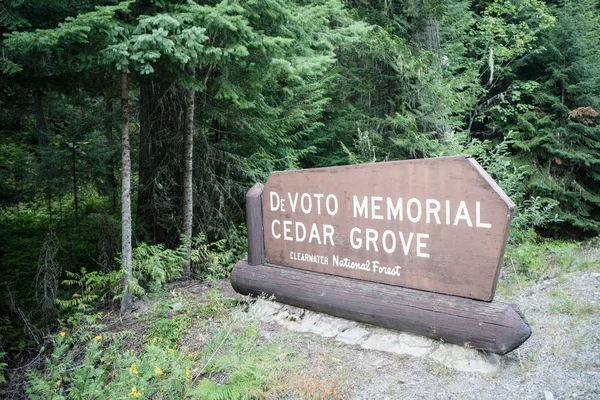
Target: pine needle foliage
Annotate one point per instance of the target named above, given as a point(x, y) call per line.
point(558, 133)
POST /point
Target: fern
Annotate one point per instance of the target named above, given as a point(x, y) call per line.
point(154, 265)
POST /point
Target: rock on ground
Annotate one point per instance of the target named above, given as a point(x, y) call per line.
point(561, 360)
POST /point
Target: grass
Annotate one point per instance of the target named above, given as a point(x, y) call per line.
point(233, 362)
point(563, 304)
point(167, 331)
point(531, 262)
point(438, 369)
point(527, 362)
point(213, 306)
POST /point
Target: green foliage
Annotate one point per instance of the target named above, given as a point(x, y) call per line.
point(166, 332)
point(551, 120)
point(106, 370)
point(278, 85)
point(570, 306)
point(22, 237)
point(232, 365)
point(4, 327)
point(153, 266)
point(17, 165)
point(88, 290)
point(215, 260)
point(3, 365)
point(535, 259)
point(530, 212)
point(249, 368)
point(215, 307)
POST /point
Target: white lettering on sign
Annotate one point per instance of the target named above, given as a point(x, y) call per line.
point(311, 258)
point(368, 266)
point(407, 243)
point(438, 225)
point(432, 208)
point(388, 241)
point(396, 209)
point(305, 202)
point(348, 263)
point(332, 205)
point(463, 214)
point(320, 234)
point(360, 209)
point(478, 222)
point(394, 271)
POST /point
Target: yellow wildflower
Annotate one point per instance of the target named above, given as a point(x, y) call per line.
point(187, 373)
point(58, 382)
point(134, 392)
point(158, 371)
point(133, 369)
point(171, 351)
point(62, 334)
point(98, 337)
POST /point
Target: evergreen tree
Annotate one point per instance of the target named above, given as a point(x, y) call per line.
point(261, 91)
point(558, 134)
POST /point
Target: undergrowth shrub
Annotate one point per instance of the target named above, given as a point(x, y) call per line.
point(3, 366)
point(535, 260)
point(87, 291)
point(89, 362)
point(233, 364)
point(106, 370)
point(530, 212)
point(215, 307)
point(166, 331)
point(215, 260)
point(154, 265)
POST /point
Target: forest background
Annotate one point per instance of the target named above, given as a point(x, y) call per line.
point(131, 131)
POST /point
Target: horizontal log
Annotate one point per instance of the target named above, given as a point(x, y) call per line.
point(494, 327)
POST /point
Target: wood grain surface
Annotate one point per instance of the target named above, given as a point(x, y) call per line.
point(438, 225)
point(490, 326)
point(254, 225)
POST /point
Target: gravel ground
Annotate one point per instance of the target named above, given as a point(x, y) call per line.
point(561, 360)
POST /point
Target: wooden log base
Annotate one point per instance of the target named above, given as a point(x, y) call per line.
point(493, 327)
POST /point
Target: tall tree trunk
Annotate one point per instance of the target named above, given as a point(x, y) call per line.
point(188, 152)
point(126, 249)
point(109, 179)
point(40, 120)
point(74, 173)
point(430, 40)
point(42, 134)
point(160, 193)
point(144, 219)
point(153, 154)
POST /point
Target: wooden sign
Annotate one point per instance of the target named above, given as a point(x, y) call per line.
point(438, 225)
point(325, 239)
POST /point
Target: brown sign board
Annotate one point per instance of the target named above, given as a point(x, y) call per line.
point(438, 225)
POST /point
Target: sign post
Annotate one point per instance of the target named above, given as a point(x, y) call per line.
point(392, 237)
